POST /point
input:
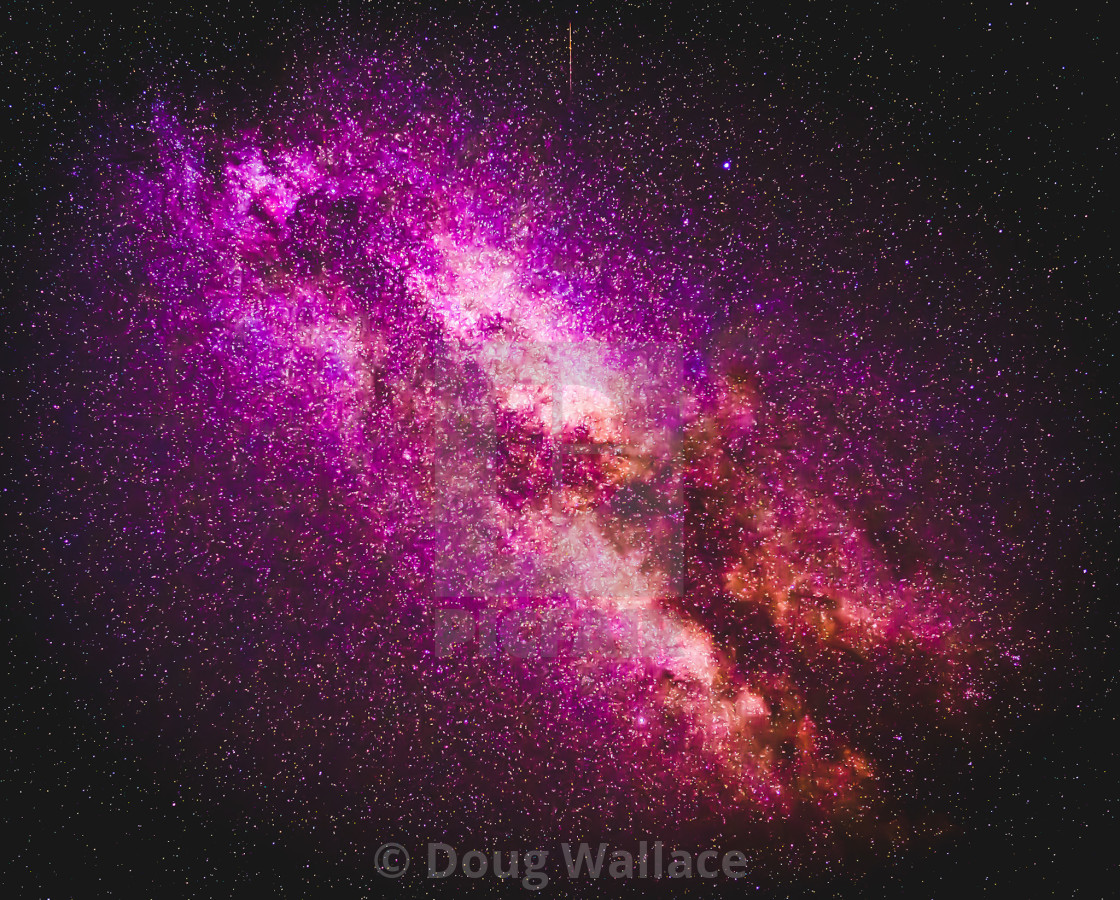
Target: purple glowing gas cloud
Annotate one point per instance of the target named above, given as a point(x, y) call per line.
point(382, 355)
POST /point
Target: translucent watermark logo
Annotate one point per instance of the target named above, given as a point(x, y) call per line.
point(534, 869)
point(391, 860)
point(538, 631)
point(565, 478)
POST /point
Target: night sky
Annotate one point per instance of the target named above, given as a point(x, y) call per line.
point(746, 365)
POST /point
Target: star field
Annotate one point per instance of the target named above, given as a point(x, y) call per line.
point(778, 333)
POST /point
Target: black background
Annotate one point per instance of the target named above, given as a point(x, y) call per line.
point(1007, 109)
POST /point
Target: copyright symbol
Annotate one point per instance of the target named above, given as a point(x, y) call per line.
point(391, 860)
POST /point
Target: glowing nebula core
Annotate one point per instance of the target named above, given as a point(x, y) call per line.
point(393, 350)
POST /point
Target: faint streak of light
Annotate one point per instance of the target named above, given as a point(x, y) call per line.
point(569, 60)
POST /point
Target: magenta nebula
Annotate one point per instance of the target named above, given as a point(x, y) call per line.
point(396, 345)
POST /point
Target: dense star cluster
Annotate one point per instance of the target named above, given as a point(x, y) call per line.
point(450, 456)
